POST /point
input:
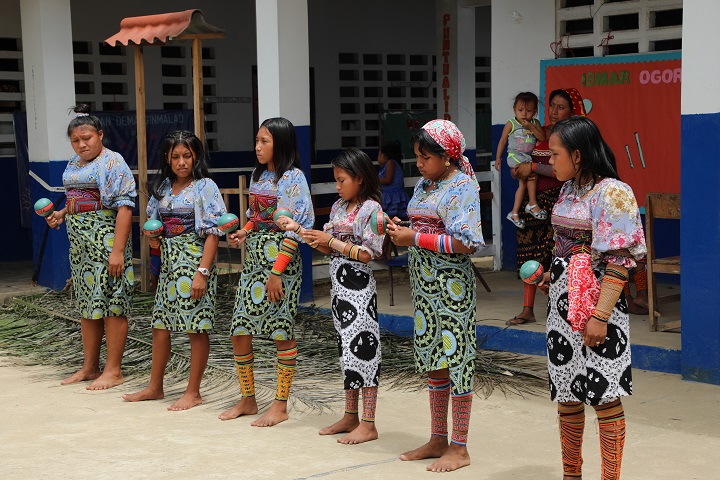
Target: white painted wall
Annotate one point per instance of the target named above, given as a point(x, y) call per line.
point(518, 45)
point(700, 65)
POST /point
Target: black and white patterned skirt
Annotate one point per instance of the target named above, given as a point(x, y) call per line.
point(593, 375)
point(354, 308)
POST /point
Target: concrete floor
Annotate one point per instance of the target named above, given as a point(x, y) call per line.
point(49, 431)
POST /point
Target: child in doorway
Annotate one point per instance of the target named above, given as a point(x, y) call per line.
point(520, 135)
point(352, 243)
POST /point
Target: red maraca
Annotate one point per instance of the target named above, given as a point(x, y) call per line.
point(153, 228)
point(531, 272)
point(378, 223)
point(44, 207)
point(228, 223)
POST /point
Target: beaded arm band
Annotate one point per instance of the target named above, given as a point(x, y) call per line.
point(612, 286)
point(436, 242)
point(288, 249)
point(249, 227)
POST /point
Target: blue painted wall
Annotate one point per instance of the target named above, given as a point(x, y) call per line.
point(700, 247)
point(17, 241)
point(55, 267)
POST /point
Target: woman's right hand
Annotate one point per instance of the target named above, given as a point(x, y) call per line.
point(153, 242)
point(523, 171)
point(236, 238)
point(544, 284)
point(55, 219)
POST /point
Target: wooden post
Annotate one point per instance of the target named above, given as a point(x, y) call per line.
point(198, 104)
point(142, 164)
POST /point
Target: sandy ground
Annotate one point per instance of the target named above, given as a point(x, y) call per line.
point(49, 431)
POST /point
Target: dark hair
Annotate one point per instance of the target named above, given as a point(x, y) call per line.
point(192, 143)
point(85, 118)
point(579, 133)
point(564, 95)
point(392, 150)
point(358, 165)
point(526, 97)
point(285, 148)
point(426, 144)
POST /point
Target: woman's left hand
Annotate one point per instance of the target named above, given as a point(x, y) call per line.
point(544, 284)
point(314, 238)
point(401, 236)
point(116, 264)
point(199, 286)
point(595, 333)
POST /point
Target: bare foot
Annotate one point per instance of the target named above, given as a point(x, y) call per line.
point(347, 423)
point(147, 393)
point(186, 402)
point(435, 448)
point(80, 376)
point(365, 432)
point(105, 381)
point(246, 406)
point(275, 414)
point(635, 309)
point(455, 457)
point(641, 299)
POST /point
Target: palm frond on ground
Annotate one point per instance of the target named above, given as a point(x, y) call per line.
point(45, 330)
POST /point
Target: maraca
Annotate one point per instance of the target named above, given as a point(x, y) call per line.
point(281, 213)
point(153, 228)
point(44, 207)
point(379, 223)
point(228, 223)
point(531, 272)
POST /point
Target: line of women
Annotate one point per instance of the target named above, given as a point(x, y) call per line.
point(598, 237)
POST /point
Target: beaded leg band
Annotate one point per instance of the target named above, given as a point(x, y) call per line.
point(351, 401)
point(286, 372)
point(246, 375)
point(571, 420)
point(439, 389)
point(369, 403)
point(611, 422)
point(461, 406)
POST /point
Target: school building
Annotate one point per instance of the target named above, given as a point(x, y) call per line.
point(353, 74)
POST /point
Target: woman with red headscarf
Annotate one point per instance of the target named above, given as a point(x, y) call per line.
point(535, 241)
point(444, 229)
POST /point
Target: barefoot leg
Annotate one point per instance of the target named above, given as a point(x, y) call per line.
point(365, 432)
point(116, 329)
point(160, 355)
point(287, 355)
point(242, 348)
point(347, 423)
point(350, 420)
point(456, 456)
point(199, 352)
point(92, 333)
point(434, 448)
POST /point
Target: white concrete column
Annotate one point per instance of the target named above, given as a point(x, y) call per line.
point(49, 93)
point(283, 64)
point(283, 60)
point(522, 31)
point(49, 76)
point(455, 39)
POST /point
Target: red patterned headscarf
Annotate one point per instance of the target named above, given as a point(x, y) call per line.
point(578, 107)
point(451, 139)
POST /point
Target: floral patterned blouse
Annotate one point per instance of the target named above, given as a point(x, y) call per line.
point(197, 207)
point(606, 217)
point(290, 193)
point(453, 208)
point(108, 173)
point(354, 227)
